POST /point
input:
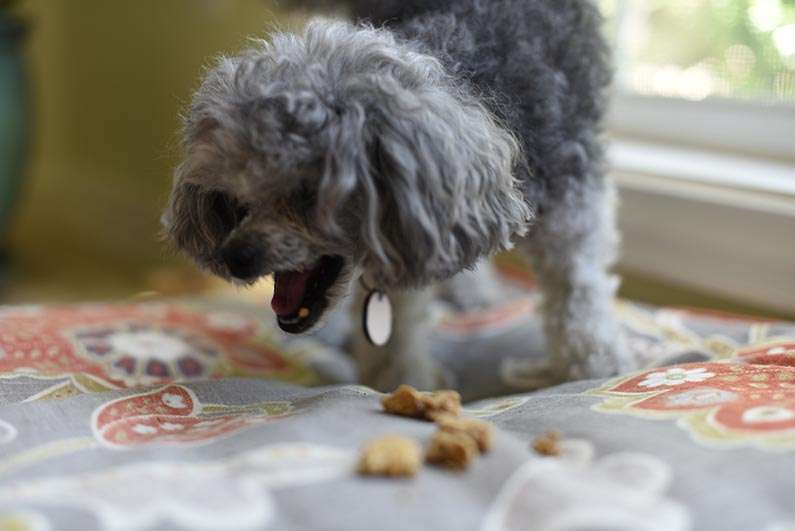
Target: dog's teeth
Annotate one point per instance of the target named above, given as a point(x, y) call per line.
point(303, 313)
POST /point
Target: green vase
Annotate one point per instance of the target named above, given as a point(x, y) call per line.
point(13, 121)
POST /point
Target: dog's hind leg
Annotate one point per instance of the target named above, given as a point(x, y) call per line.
point(406, 358)
point(572, 247)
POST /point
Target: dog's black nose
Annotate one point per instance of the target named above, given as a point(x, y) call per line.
point(244, 260)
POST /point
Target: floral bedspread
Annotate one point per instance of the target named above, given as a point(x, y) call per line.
point(189, 414)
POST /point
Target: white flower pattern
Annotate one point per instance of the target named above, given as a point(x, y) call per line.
point(676, 376)
point(226, 494)
point(146, 353)
point(622, 491)
point(229, 322)
point(173, 401)
point(144, 429)
point(768, 414)
point(7, 432)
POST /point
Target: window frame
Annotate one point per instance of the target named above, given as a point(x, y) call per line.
point(750, 128)
point(706, 204)
point(707, 188)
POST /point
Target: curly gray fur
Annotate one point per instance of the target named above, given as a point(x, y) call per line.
point(393, 149)
point(413, 150)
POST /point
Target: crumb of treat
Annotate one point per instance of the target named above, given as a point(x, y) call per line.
point(441, 402)
point(409, 402)
point(454, 450)
point(548, 444)
point(392, 455)
point(303, 313)
point(478, 430)
point(405, 401)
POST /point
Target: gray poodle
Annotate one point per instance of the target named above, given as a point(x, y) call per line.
point(402, 150)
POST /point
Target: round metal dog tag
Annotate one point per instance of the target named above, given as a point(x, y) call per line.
point(377, 318)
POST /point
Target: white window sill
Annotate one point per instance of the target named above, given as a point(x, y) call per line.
point(717, 222)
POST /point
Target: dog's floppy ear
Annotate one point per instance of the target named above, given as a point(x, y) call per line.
point(439, 192)
point(197, 221)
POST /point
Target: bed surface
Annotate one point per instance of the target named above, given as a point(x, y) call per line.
point(199, 414)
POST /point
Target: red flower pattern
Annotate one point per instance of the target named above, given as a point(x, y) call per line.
point(749, 399)
point(120, 346)
point(174, 415)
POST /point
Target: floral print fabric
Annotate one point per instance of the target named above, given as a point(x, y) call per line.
point(201, 415)
point(66, 350)
point(746, 400)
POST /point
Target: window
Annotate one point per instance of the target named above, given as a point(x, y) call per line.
point(695, 49)
point(707, 74)
point(703, 144)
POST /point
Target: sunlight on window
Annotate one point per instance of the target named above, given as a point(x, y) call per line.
point(784, 38)
point(696, 49)
point(766, 15)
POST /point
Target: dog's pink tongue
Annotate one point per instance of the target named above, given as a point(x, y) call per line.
point(288, 291)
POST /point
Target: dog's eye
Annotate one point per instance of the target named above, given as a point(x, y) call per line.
point(227, 211)
point(241, 212)
point(300, 200)
point(297, 207)
point(308, 197)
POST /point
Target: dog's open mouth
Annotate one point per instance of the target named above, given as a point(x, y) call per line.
point(299, 297)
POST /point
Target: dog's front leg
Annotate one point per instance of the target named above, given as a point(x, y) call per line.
point(572, 247)
point(406, 357)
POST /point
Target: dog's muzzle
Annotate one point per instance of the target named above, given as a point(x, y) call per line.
point(245, 260)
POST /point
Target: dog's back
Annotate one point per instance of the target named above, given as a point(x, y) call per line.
point(541, 66)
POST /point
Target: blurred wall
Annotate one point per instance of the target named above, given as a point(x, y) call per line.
point(110, 78)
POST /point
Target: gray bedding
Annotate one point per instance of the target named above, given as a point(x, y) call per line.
point(199, 415)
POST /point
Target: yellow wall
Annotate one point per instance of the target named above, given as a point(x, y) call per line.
point(109, 79)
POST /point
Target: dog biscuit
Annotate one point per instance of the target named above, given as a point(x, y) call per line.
point(408, 402)
point(454, 450)
point(441, 403)
point(548, 444)
point(478, 430)
point(392, 456)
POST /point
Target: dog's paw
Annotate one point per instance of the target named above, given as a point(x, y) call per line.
point(581, 353)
